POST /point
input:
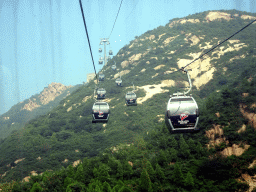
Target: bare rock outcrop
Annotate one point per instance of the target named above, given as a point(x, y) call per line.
point(69, 109)
point(242, 129)
point(216, 136)
point(248, 17)
point(86, 98)
point(143, 70)
point(124, 72)
point(125, 64)
point(161, 35)
point(250, 116)
point(234, 150)
point(216, 15)
point(51, 92)
point(155, 75)
point(135, 57)
point(65, 161)
point(170, 39)
point(130, 163)
point(253, 164)
point(18, 160)
point(30, 106)
point(75, 163)
point(183, 21)
point(161, 118)
point(250, 180)
point(158, 67)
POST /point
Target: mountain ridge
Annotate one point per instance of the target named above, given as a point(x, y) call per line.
point(36, 105)
point(152, 67)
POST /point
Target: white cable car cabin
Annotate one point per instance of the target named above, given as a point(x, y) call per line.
point(110, 52)
point(130, 98)
point(101, 77)
point(100, 50)
point(182, 114)
point(119, 82)
point(100, 62)
point(113, 67)
point(101, 93)
point(100, 112)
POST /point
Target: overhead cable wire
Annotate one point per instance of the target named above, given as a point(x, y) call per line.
point(115, 19)
point(132, 10)
point(218, 45)
point(82, 11)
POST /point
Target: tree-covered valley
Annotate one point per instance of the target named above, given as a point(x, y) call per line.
point(63, 151)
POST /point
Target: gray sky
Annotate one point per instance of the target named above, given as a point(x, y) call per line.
point(59, 52)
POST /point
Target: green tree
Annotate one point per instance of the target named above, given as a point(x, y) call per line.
point(77, 186)
point(173, 155)
point(97, 189)
point(120, 171)
point(106, 187)
point(150, 171)
point(88, 170)
point(125, 189)
point(159, 173)
point(184, 148)
point(191, 145)
point(79, 175)
point(145, 182)
point(102, 173)
point(118, 186)
point(93, 184)
point(36, 188)
point(162, 159)
point(200, 151)
point(189, 181)
point(70, 171)
point(68, 181)
point(127, 170)
point(95, 173)
point(173, 143)
point(177, 176)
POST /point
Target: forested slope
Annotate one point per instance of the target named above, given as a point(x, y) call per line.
point(134, 146)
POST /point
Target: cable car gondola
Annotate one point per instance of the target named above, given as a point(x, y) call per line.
point(119, 82)
point(100, 50)
point(100, 112)
point(101, 93)
point(101, 77)
point(113, 67)
point(130, 98)
point(110, 52)
point(182, 114)
point(100, 60)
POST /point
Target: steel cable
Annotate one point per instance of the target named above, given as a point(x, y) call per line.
point(82, 11)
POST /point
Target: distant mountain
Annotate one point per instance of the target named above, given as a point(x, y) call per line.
point(35, 106)
point(151, 61)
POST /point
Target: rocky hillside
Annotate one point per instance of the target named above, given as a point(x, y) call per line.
point(36, 105)
point(66, 135)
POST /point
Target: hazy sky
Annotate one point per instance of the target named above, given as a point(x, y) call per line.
point(43, 51)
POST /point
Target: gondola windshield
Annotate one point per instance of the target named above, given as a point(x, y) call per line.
point(182, 105)
point(103, 107)
point(184, 100)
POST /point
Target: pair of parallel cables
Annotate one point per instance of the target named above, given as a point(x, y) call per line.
point(81, 6)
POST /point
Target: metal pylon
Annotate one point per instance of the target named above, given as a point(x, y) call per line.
point(104, 40)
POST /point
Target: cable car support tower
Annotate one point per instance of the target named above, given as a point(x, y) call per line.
point(104, 40)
